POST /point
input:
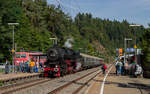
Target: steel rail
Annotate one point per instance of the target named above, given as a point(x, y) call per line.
point(27, 85)
point(78, 89)
point(68, 84)
point(15, 81)
point(6, 81)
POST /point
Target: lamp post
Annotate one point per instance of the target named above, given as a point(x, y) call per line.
point(135, 25)
point(13, 45)
point(126, 39)
point(54, 40)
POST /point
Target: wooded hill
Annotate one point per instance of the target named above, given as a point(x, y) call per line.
point(39, 21)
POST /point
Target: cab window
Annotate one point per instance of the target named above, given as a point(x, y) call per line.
point(23, 55)
point(20, 55)
point(17, 55)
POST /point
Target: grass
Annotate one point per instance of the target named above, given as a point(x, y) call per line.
point(1, 84)
point(2, 71)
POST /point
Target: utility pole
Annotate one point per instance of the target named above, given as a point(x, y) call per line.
point(135, 46)
point(54, 41)
point(15, 56)
point(126, 39)
point(13, 45)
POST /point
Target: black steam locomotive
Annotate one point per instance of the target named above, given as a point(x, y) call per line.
point(61, 61)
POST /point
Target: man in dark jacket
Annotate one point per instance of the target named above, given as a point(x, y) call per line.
point(104, 67)
point(6, 67)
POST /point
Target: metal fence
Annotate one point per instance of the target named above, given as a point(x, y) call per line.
point(2, 69)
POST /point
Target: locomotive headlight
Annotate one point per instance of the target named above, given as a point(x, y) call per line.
point(56, 69)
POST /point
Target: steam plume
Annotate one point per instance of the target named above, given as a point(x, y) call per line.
point(68, 43)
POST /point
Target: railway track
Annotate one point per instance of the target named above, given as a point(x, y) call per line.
point(17, 87)
point(59, 89)
point(68, 84)
point(22, 86)
point(10, 81)
point(8, 89)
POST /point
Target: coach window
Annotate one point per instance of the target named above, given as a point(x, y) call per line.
point(42, 57)
point(84, 59)
point(87, 59)
point(17, 55)
point(23, 56)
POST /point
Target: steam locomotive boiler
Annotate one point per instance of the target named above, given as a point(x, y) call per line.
point(62, 61)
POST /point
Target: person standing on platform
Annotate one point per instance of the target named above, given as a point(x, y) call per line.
point(138, 70)
point(133, 68)
point(104, 67)
point(6, 67)
point(34, 67)
point(37, 66)
point(32, 64)
point(26, 67)
point(126, 68)
point(17, 66)
point(40, 65)
point(122, 67)
point(21, 66)
point(117, 67)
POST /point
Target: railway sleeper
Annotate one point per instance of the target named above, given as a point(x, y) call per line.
point(14, 81)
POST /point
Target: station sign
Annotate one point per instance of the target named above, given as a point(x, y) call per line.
point(119, 51)
point(139, 51)
point(130, 50)
point(135, 46)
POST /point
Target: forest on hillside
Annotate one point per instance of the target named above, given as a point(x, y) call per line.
point(39, 21)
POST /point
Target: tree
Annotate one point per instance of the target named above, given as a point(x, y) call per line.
point(146, 50)
point(10, 12)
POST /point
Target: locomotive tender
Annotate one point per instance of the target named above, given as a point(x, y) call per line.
point(61, 61)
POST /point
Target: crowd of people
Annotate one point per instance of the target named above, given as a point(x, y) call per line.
point(128, 68)
point(28, 66)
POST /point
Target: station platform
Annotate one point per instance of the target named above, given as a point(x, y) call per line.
point(113, 84)
point(11, 76)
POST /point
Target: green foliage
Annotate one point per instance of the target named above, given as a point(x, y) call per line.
point(146, 49)
point(1, 83)
point(39, 21)
point(10, 12)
